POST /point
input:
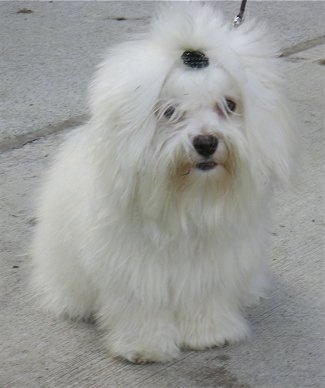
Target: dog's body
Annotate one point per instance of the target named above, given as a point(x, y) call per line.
point(155, 213)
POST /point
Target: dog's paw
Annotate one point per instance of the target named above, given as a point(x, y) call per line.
point(141, 348)
point(148, 355)
point(207, 334)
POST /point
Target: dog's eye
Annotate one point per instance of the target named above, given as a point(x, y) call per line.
point(169, 112)
point(230, 105)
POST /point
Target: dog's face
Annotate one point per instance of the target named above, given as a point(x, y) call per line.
point(199, 118)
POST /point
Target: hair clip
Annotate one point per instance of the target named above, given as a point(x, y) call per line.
point(195, 59)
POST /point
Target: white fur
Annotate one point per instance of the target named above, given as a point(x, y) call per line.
point(165, 255)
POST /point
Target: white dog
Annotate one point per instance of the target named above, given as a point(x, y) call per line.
point(154, 216)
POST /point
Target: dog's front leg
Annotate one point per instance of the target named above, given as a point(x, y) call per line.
point(138, 333)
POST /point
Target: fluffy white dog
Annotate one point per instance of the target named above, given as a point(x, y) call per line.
point(154, 216)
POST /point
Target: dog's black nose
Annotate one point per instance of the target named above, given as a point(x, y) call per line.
point(205, 145)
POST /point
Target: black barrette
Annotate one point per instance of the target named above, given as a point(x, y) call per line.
point(195, 59)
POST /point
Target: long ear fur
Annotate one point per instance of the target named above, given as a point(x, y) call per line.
point(128, 83)
point(267, 113)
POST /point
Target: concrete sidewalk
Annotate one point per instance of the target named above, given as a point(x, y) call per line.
point(48, 58)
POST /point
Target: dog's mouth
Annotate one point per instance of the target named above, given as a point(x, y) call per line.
point(206, 165)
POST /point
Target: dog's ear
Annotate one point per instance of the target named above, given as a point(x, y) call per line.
point(271, 129)
point(128, 83)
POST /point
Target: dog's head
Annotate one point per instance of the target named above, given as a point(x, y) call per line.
point(195, 103)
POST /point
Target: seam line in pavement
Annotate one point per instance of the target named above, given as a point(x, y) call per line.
point(302, 46)
point(20, 140)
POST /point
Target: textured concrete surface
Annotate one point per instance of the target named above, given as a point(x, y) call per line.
point(47, 59)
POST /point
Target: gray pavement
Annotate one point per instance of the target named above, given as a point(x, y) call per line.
point(46, 63)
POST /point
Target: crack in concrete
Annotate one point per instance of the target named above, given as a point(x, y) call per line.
point(22, 139)
point(123, 18)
